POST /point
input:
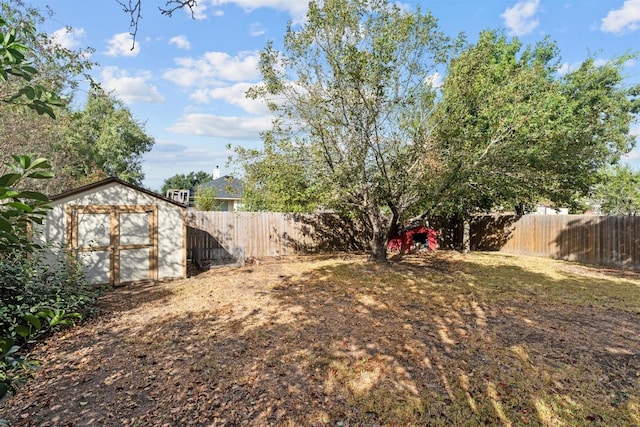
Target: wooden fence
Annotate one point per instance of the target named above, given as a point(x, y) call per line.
point(218, 237)
point(601, 240)
point(222, 237)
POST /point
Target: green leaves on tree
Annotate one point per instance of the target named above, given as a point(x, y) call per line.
point(361, 129)
point(14, 63)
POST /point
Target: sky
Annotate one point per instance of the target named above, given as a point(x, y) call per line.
point(187, 75)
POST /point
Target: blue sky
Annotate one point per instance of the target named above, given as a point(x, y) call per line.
point(186, 77)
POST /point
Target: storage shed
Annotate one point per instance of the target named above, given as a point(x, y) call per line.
point(413, 238)
point(120, 232)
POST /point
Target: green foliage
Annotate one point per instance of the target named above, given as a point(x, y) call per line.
point(38, 294)
point(46, 288)
point(618, 193)
point(105, 135)
point(185, 182)
point(101, 139)
point(40, 73)
point(205, 199)
point(510, 131)
point(13, 366)
point(19, 208)
point(362, 134)
point(14, 63)
point(276, 180)
point(351, 135)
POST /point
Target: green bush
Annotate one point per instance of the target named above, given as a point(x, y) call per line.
point(205, 199)
point(31, 284)
point(39, 293)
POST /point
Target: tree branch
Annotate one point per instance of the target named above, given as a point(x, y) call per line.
point(134, 9)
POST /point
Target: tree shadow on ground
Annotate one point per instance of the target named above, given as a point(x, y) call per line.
point(428, 341)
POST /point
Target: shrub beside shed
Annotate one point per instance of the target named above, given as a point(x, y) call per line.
point(120, 232)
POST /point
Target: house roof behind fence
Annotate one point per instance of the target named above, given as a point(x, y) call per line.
point(227, 187)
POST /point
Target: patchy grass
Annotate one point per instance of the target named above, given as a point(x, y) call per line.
point(439, 339)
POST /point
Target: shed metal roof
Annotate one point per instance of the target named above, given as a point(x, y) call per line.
point(108, 181)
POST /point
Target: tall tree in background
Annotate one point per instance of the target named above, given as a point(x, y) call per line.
point(277, 180)
point(618, 192)
point(102, 138)
point(185, 181)
point(350, 91)
point(105, 136)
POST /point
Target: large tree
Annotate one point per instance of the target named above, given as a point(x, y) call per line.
point(353, 105)
point(99, 139)
point(361, 130)
point(25, 122)
point(511, 131)
point(277, 180)
point(29, 97)
point(104, 136)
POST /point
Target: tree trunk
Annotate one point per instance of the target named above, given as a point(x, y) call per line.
point(378, 250)
point(379, 235)
point(466, 235)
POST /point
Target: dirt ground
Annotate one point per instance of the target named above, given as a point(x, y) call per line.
point(335, 341)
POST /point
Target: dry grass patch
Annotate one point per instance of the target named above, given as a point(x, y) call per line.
point(440, 339)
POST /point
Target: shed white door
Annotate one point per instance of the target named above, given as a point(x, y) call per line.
point(116, 244)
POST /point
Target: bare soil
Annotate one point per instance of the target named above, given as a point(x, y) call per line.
point(436, 339)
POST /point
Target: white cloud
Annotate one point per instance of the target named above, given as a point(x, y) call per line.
point(234, 95)
point(435, 80)
point(521, 18)
point(131, 89)
point(68, 37)
point(121, 45)
point(566, 67)
point(214, 67)
point(256, 29)
point(181, 42)
point(632, 158)
point(221, 126)
point(627, 18)
point(297, 9)
point(169, 147)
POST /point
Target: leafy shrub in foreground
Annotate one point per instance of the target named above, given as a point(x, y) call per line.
point(37, 293)
point(31, 283)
